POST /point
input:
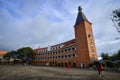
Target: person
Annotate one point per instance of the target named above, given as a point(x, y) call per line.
point(68, 67)
point(100, 69)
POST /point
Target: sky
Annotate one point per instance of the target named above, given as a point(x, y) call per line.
point(39, 23)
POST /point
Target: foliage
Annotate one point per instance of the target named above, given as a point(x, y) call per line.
point(10, 54)
point(118, 55)
point(115, 56)
point(105, 56)
point(24, 53)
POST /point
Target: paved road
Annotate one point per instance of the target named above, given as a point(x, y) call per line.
point(18, 72)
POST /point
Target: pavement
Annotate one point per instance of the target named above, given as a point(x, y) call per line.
point(19, 72)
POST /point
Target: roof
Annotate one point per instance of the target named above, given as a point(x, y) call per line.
point(80, 17)
point(64, 43)
point(72, 41)
point(3, 52)
point(36, 50)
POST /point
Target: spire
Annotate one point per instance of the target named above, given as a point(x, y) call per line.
point(81, 17)
point(79, 9)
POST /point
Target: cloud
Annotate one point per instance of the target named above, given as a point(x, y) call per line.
point(42, 23)
point(103, 28)
point(31, 30)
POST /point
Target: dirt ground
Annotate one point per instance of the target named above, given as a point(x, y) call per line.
point(19, 72)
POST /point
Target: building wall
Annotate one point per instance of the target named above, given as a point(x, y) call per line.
point(59, 55)
point(79, 52)
point(85, 47)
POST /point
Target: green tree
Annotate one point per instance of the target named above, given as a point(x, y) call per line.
point(114, 57)
point(118, 55)
point(25, 53)
point(105, 56)
point(10, 54)
point(7, 56)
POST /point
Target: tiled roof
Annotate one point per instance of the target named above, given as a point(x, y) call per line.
point(3, 52)
point(64, 43)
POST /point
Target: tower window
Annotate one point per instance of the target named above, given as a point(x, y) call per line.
point(90, 38)
point(89, 35)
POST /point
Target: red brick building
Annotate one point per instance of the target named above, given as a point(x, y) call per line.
point(78, 52)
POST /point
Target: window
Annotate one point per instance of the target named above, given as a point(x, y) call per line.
point(92, 49)
point(58, 46)
point(62, 51)
point(90, 38)
point(56, 52)
point(65, 50)
point(39, 51)
point(45, 50)
point(73, 48)
point(69, 55)
point(65, 56)
point(73, 55)
point(69, 49)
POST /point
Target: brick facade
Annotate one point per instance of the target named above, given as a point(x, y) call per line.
point(78, 52)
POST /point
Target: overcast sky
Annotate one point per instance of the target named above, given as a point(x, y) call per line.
point(41, 23)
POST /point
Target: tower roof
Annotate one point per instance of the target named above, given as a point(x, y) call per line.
point(80, 17)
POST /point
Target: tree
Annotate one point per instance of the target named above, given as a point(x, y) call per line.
point(116, 19)
point(118, 55)
point(10, 54)
point(105, 56)
point(114, 57)
point(7, 56)
point(25, 53)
